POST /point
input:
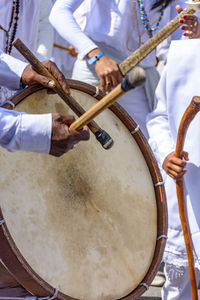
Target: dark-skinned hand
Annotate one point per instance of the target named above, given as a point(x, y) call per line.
point(63, 138)
point(31, 77)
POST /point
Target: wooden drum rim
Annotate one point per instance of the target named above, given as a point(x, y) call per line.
point(13, 259)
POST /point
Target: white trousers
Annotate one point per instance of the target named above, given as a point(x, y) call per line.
point(177, 284)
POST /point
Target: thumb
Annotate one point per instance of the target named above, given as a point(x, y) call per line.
point(45, 81)
point(179, 9)
point(185, 155)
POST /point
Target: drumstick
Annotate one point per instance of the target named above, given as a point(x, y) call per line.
point(188, 116)
point(101, 135)
point(136, 78)
point(71, 51)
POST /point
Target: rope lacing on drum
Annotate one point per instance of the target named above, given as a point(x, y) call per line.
point(2, 222)
point(10, 102)
point(162, 236)
point(159, 183)
point(32, 297)
point(145, 285)
point(136, 129)
point(97, 92)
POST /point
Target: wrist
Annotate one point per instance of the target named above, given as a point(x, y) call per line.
point(94, 56)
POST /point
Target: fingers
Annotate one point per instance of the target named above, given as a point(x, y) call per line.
point(45, 81)
point(108, 73)
point(30, 77)
point(192, 27)
point(185, 155)
point(63, 138)
point(179, 9)
point(174, 166)
point(53, 69)
point(82, 135)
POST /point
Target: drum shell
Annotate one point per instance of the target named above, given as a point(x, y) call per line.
point(15, 262)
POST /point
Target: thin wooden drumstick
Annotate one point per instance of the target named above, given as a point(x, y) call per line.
point(188, 116)
point(133, 60)
point(70, 51)
point(136, 78)
point(102, 136)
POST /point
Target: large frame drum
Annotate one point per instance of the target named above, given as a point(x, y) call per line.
point(91, 223)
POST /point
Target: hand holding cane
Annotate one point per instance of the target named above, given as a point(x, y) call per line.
point(101, 135)
point(136, 78)
point(188, 116)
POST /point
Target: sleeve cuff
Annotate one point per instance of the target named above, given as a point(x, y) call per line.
point(13, 69)
point(36, 133)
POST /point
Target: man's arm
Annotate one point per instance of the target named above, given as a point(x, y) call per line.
point(48, 133)
point(160, 137)
point(21, 131)
point(11, 70)
point(62, 19)
point(45, 133)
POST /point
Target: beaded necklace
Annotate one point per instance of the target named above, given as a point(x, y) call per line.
point(157, 22)
point(144, 19)
point(14, 16)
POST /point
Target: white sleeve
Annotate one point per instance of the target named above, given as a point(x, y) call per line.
point(21, 131)
point(11, 70)
point(160, 138)
point(62, 19)
point(45, 31)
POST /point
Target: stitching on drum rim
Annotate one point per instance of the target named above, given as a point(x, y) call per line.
point(32, 297)
point(97, 92)
point(2, 222)
point(136, 129)
point(162, 236)
point(10, 102)
point(145, 285)
point(159, 183)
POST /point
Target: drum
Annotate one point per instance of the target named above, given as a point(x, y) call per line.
point(91, 224)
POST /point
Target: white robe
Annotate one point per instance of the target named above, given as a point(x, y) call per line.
point(108, 25)
point(20, 131)
point(33, 29)
point(64, 60)
point(179, 83)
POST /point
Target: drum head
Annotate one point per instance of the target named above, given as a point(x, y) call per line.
point(85, 223)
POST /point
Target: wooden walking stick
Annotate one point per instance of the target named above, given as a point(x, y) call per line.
point(101, 135)
point(188, 116)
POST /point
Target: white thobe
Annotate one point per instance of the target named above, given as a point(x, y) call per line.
point(62, 59)
point(108, 25)
point(179, 83)
point(33, 28)
point(20, 131)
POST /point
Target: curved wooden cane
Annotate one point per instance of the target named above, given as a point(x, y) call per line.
point(188, 116)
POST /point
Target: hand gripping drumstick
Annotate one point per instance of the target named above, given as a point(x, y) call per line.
point(136, 78)
point(102, 136)
point(188, 116)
